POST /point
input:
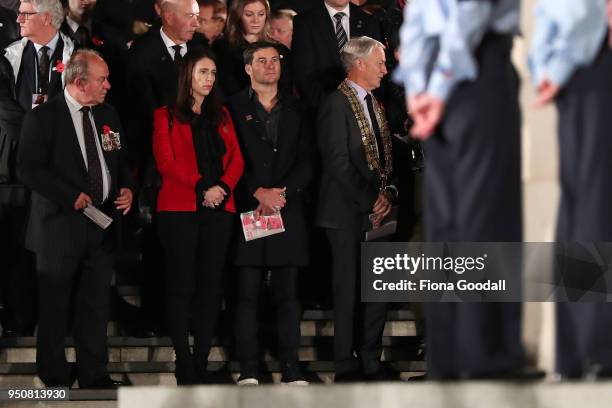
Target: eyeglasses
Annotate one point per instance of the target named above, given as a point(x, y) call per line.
point(189, 16)
point(25, 15)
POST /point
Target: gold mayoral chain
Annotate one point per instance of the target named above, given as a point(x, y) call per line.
point(368, 139)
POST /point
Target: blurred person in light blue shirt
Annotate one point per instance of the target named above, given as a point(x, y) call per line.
point(568, 35)
point(438, 41)
point(571, 63)
point(455, 63)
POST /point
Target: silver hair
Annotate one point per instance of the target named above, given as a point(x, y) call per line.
point(53, 7)
point(359, 47)
point(78, 65)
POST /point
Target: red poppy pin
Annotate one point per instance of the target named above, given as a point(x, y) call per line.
point(106, 129)
point(96, 41)
point(59, 66)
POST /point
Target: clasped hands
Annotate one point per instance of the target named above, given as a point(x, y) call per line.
point(426, 111)
point(123, 201)
point(214, 196)
point(271, 200)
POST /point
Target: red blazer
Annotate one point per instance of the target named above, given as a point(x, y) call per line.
point(177, 164)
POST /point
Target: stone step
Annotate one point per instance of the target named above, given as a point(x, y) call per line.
point(234, 367)
point(166, 354)
point(312, 328)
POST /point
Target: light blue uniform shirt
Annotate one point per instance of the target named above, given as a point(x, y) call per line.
point(568, 35)
point(438, 39)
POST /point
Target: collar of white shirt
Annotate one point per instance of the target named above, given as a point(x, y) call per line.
point(361, 92)
point(169, 44)
point(74, 26)
point(51, 44)
point(73, 105)
point(332, 12)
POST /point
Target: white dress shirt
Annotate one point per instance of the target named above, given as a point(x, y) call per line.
point(345, 20)
point(169, 44)
point(77, 119)
point(51, 45)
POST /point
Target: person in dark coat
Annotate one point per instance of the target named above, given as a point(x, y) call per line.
point(72, 156)
point(9, 29)
point(357, 184)
point(30, 71)
point(275, 143)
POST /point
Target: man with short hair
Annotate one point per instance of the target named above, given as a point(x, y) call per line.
point(78, 22)
point(281, 26)
point(153, 76)
point(73, 157)
point(213, 14)
point(274, 140)
point(356, 154)
point(30, 73)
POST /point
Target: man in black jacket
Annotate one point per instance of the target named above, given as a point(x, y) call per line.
point(72, 157)
point(356, 154)
point(30, 71)
point(274, 140)
point(318, 37)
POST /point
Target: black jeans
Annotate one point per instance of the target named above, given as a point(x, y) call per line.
point(195, 245)
point(284, 287)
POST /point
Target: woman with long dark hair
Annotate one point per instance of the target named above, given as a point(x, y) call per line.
point(199, 159)
point(248, 21)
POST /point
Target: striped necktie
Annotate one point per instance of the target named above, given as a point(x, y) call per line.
point(341, 37)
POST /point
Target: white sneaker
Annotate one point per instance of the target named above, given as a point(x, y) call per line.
point(298, 383)
point(247, 381)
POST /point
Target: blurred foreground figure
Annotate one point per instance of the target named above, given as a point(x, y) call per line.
point(463, 97)
point(571, 63)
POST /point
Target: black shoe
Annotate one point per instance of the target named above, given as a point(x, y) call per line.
point(348, 376)
point(292, 374)
point(186, 373)
point(515, 374)
point(103, 383)
point(384, 373)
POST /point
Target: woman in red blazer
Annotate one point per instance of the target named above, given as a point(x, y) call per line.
point(200, 163)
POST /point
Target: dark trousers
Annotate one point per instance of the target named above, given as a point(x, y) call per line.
point(584, 331)
point(473, 193)
point(284, 288)
point(78, 285)
point(195, 245)
point(358, 327)
point(18, 277)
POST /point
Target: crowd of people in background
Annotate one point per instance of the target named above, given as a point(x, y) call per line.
point(173, 117)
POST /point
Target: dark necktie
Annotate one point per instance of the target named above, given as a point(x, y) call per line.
point(82, 35)
point(94, 167)
point(43, 70)
point(177, 54)
point(379, 142)
point(341, 37)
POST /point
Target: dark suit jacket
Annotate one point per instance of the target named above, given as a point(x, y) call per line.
point(51, 164)
point(286, 165)
point(348, 187)
point(11, 116)
point(152, 78)
point(317, 69)
point(9, 31)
